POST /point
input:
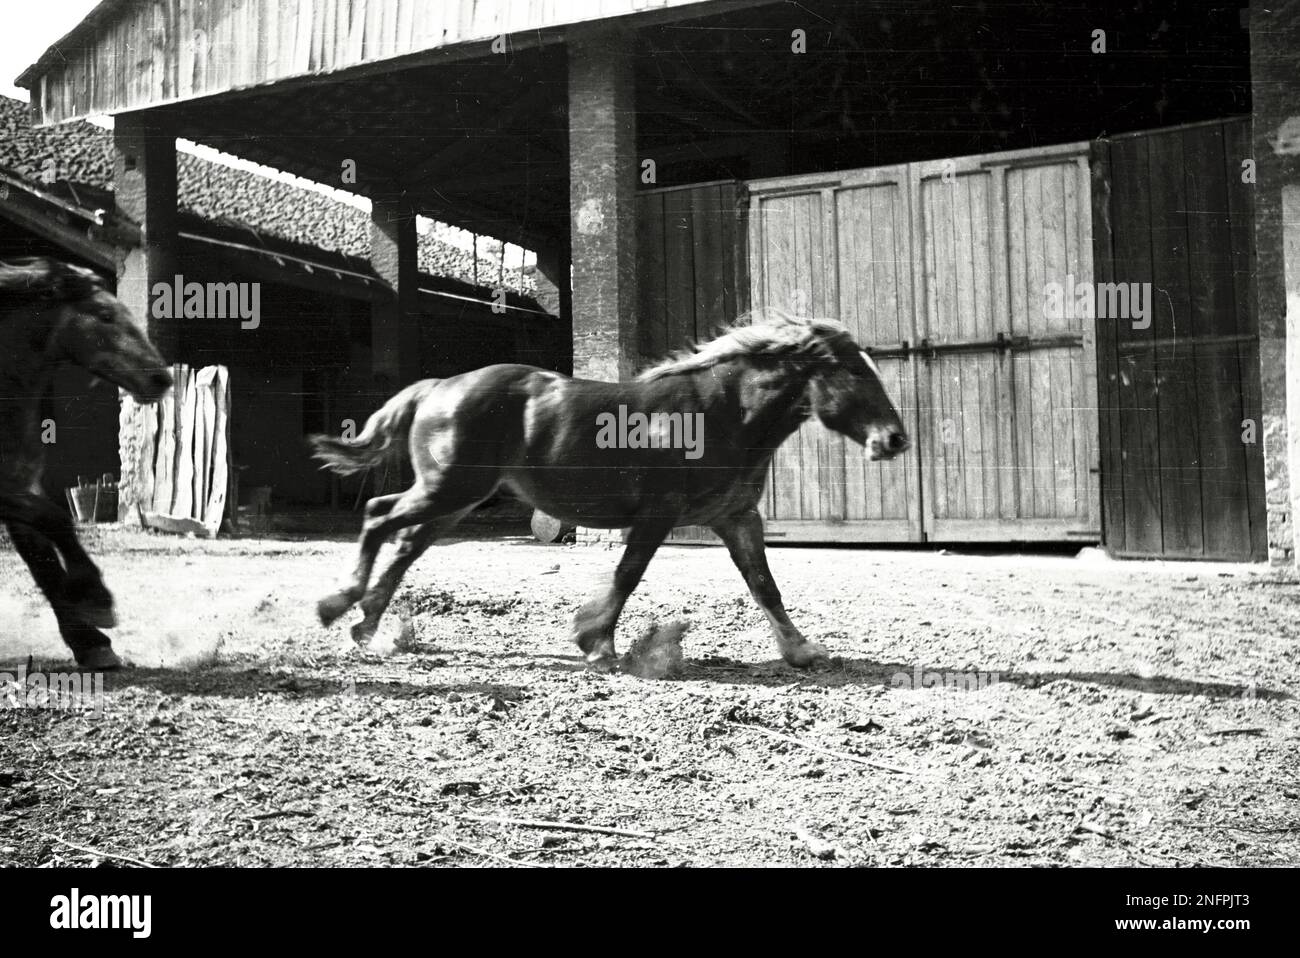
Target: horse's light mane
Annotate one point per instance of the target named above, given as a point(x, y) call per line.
point(38, 275)
point(766, 332)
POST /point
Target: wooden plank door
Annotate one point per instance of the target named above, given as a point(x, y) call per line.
point(1007, 383)
point(872, 280)
point(840, 247)
point(1181, 434)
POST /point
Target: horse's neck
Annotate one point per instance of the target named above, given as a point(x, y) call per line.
point(26, 375)
point(27, 362)
point(771, 402)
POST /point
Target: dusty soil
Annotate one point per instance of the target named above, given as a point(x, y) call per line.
point(1143, 713)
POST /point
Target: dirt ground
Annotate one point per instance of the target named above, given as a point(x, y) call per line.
point(1141, 713)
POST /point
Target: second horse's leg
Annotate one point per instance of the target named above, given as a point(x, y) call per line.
point(90, 647)
point(593, 626)
point(82, 588)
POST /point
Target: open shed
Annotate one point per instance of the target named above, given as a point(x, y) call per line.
point(923, 172)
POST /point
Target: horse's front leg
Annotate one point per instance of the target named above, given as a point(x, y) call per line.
point(593, 626)
point(743, 536)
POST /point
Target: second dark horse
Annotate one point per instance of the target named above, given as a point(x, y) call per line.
point(52, 314)
point(550, 440)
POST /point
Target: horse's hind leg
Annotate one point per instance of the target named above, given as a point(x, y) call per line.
point(743, 536)
point(81, 586)
point(411, 543)
point(453, 495)
point(593, 626)
point(336, 603)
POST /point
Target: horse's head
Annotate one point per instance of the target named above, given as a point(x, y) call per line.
point(815, 364)
point(89, 327)
point(848, 396)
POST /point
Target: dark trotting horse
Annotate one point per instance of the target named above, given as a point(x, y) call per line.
point(52, 313)
point(688, 442)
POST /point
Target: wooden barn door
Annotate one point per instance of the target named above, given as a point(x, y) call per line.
point(940, 270)
point(841, 248)
point(1182, 444)
point(1007, 382)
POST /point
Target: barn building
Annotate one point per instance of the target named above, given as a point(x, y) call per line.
point(1069, 232)
point(311, 368)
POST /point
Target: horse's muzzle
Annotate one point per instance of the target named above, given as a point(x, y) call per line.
point(886, 444)
point(156, 385)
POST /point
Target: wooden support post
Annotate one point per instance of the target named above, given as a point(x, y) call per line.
point(555, 295)
point(395, 331)
point(394, 320)
point(144, 184)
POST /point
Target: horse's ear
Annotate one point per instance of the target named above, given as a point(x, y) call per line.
point(28, 274)
point(71, 283)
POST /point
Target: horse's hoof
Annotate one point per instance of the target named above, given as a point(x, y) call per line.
point(331, 607)
point(101, 658)
point(95, 615)
point(806, 655)
point(603, 664)
point(362, 633)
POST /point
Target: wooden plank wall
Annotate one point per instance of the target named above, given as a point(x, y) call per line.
point(693, 277)
point(1178, 479)
point(154, 51)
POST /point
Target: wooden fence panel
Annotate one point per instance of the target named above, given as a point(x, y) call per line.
point(190, 443)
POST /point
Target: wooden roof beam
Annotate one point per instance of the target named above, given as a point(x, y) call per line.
point(461, 150)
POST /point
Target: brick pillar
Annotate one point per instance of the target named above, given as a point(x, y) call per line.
point(603, 174)
point(144, 187)
point(1291, 279)
point(1275, 89)
point(394, 321)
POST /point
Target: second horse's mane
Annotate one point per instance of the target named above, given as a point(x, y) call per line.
point(768, 332)
point(32, 277)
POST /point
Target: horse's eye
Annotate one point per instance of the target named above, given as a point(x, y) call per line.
point(107, 318)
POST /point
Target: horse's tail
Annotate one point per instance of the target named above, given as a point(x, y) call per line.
point(384, 435)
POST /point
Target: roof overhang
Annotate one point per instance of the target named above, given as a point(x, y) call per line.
point(129, 55)
point(99, 237)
